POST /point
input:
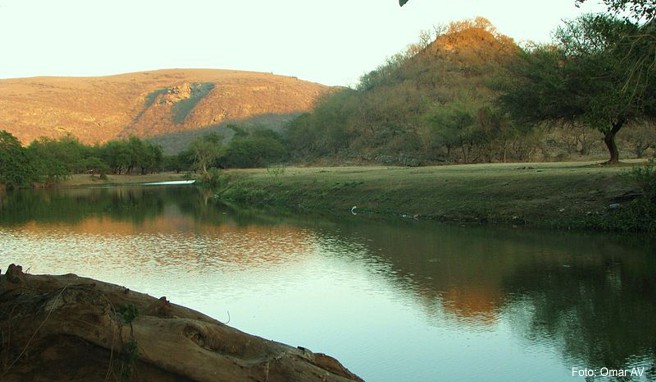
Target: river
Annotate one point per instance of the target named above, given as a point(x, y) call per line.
point(397, 300)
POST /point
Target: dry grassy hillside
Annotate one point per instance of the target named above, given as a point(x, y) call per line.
point(146, 104)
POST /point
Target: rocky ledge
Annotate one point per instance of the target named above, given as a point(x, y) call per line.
point(70, 328)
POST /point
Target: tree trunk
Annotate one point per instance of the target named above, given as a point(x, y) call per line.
point(609, 140)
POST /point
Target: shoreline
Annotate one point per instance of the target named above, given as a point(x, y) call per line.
point(586, 196)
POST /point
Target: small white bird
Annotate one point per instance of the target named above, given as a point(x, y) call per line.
point(353, 210)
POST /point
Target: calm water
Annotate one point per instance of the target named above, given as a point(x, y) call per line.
point(394, 301)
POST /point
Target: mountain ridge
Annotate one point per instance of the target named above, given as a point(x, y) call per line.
point(146, 104)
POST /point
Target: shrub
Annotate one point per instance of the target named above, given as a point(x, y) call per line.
point(638, 215)
point(645, 179)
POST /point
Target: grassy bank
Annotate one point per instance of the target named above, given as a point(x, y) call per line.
point(549, 195)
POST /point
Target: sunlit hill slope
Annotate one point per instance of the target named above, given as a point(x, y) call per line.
point(149, 104)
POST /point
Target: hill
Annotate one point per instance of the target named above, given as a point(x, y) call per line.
point(429, 104)
point(149, 104)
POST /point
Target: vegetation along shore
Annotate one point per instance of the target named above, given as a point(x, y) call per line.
point(562, 195)
point(571, 195)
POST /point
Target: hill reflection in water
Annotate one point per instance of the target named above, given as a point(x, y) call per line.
point(393, 300)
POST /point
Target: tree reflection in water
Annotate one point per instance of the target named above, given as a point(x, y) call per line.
point(591, 296)
point(598, 314)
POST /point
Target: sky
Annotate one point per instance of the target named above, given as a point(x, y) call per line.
point(329, 42)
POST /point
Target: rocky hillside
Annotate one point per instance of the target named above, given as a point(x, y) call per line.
point(148, 104)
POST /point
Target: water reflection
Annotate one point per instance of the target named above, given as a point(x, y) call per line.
point(592, 297)
point(394, 300)
point(599, 312)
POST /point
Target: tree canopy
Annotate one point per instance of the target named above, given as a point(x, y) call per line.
point(48, 161)
point(16, 166)
point(582, 79)
point(638, 9)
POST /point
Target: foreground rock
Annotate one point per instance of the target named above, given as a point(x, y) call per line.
point(70, 328)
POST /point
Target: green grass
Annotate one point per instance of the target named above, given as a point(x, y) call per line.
point(555, 195)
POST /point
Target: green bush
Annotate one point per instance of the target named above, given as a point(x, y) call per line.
point(638, 215)
point(645, 179)
point(212, 178)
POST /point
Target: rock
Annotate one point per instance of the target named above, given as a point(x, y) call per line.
point(175, 94)
point(15, 273)
point(626, 197)
point(70, 328)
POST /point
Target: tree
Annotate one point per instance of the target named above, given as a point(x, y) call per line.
point(582, 79)
point(117, 156)
point(206, 150)
point(51, 167)
point(183, 161)
point(325, 130)
point(144, 154)
point(16, 166)
point(56, 159)
point(640, 47)
point(133, 153)
point(452, 126)
point(260, 148)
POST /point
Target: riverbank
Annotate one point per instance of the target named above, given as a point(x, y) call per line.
point(572, 195)
point(562, 196)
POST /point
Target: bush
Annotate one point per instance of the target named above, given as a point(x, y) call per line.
point(645, 179)
point(638, 215)
point(212, 179)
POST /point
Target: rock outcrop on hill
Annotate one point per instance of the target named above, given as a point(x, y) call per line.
point(70, 328)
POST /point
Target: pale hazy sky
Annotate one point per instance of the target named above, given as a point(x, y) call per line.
point(330, 42)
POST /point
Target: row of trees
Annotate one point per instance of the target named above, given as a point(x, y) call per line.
point(48, 161)
point(256, 147)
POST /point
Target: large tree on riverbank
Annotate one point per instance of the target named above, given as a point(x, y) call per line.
point(583, 79)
